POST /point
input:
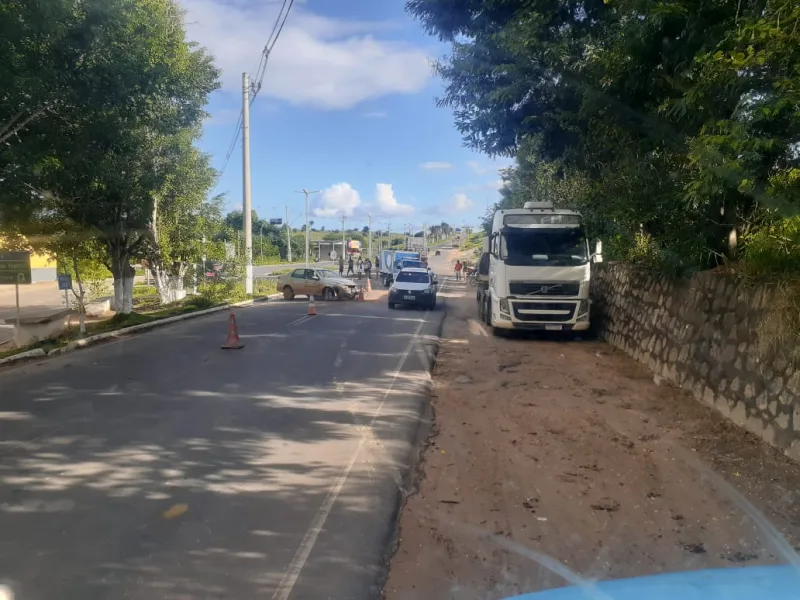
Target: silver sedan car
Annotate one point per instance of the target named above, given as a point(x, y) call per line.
point(320, 283)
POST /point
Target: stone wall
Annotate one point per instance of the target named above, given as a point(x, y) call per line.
point(706, 335)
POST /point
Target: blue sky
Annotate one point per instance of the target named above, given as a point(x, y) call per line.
point(347, 107)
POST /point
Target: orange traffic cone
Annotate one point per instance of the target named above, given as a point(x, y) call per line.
point(233, 342)
point(312, 308)
point(369, 285)
point(361, 294)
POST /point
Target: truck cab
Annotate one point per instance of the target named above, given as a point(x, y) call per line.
point(539, 269)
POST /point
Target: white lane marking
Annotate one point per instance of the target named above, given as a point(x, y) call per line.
point(310, 538)
point(374, 317)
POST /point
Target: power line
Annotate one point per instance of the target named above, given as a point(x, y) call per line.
point(231, 148)
point(277, 28)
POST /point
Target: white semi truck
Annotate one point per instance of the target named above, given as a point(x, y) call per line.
point(539, 270)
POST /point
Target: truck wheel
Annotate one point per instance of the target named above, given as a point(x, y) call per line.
point(481, 307)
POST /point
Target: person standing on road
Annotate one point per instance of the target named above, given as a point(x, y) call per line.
point(459, 266)
point(341, 266)
point(350, 266)
point(360, 267)
point(368, 268)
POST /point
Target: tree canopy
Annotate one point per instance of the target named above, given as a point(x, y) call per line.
point(672, 124)
point(102, 100)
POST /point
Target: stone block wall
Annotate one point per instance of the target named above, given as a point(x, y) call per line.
point(702, 334)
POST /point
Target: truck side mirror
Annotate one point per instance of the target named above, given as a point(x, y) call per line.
point(598, 252)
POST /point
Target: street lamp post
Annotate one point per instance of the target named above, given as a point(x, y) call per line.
point(307, 194)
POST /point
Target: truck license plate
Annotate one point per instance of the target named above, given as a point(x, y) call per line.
point(553, 327)
point(409, 297)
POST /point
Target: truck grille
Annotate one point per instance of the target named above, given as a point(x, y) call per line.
point(544, 288)
point(561, 311)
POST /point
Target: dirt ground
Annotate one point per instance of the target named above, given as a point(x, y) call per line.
point(554, 449)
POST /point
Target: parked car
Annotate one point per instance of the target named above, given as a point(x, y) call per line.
point(413, 287)
point(321, 283)
point(216, 270)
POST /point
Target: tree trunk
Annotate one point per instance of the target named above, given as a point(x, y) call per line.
point(169, 285)
point(123, 274)
point(81, 297)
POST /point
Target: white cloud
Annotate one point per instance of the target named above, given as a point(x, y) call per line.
point(318, 61)
point(435, 166)
point(387, 204)
point(497, 184)
point(337, 200)
point(461, 203)
point(342, 199)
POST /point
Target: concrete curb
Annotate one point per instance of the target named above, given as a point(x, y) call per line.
point(93, 339)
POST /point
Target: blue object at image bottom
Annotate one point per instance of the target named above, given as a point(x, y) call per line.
point(747, 583)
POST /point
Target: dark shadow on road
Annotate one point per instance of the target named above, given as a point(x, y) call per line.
point(201, 484)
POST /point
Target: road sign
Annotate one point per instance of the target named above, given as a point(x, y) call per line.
point(276, 221)
point(64, 281)
point(15, 268)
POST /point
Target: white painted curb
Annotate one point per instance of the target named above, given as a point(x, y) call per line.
point(88, 341)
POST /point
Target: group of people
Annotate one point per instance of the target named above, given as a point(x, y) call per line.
point(363, 266)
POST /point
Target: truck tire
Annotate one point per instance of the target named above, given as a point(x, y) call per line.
point(481, 307)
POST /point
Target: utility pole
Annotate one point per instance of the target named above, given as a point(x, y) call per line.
point(288, 237)
point(307, 193)
point(344, 245)
point(247, 208)
point(369, 233)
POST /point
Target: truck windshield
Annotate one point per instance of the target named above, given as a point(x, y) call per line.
point(543, 247)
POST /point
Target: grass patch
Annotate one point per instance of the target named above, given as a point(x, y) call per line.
point(140, 290)
point(144, 314)
point(264, 287)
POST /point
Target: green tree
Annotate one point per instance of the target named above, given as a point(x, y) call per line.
point(178, 223)
point(665, 122)
point(133, 84)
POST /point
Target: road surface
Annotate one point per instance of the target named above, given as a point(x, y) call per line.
point(161, 467)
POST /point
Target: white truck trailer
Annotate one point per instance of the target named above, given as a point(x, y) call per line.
point(539, 271)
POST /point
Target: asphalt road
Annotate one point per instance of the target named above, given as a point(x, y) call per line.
point(162, 467)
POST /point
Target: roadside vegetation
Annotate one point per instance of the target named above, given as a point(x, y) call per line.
point(672, 126)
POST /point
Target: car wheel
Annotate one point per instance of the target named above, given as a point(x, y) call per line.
point(391, 306)
point(288, 293)
point(328, 294)
point(433, 304)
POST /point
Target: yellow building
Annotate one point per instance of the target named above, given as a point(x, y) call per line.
point(43, 265)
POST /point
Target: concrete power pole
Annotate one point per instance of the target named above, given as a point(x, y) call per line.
point(344, 244)
point(288, 237)
point(307, 193)
point(247, 209)
point(369, 233)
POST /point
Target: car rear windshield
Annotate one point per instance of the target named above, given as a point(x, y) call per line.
point(412, 277)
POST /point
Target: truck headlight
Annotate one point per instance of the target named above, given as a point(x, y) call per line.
point(583, 310)
point(504, 306)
